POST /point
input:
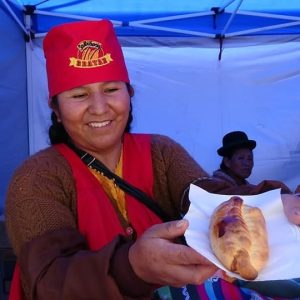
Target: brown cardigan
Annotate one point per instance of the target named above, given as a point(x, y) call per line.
point(42, 225)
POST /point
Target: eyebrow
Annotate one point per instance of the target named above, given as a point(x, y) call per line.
point(77, 89)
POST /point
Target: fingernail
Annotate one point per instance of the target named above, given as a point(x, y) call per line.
point(180, 223)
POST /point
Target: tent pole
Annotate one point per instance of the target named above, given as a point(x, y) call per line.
point(167, 29)
point(143, 24)
point(29, 86)
point(175, 17)
point(225, 5)
point(14, 16)
point(70, 16)
point(231, 18)
point(221, 36)
point(266, 15)
point(244, 32)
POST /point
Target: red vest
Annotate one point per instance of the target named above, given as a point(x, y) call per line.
point(97, 218)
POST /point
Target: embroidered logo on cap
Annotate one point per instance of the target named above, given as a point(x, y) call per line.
point(90, 55)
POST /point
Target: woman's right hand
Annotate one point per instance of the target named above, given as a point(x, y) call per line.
point(157, 259)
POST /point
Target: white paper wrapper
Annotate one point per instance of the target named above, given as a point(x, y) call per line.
point(284, 237)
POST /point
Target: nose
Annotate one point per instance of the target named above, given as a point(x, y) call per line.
point(98, 104)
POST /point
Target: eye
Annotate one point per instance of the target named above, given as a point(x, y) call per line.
point(79, 96)
point(109, 90)
point(112, 87)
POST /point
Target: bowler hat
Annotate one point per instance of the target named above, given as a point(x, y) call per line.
point(235, 140)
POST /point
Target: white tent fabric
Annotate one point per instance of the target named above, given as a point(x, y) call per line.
point(186, 93)
point(182, 89)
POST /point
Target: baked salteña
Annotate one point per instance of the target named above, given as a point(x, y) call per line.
point(239, 238)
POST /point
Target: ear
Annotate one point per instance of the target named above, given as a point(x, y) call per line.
point(54, 108)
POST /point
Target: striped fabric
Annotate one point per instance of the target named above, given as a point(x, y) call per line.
point(213, 289)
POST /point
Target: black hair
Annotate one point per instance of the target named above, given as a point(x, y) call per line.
point(58, 134)
point(223, 166)
point(229, 156)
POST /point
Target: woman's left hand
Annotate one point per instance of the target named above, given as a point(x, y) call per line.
point(291, 205)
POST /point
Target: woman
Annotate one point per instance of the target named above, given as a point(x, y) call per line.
point(236, 166)
point(73, 230)
point(237, 158)
point(76, 233)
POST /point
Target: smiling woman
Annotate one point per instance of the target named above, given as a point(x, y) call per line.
point(76, 213)
point(57, 133)
point(81, 219)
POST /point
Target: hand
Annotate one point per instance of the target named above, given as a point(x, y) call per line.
point(156, 259)
point(291, 206)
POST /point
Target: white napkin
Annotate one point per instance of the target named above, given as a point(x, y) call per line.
point(284, 237)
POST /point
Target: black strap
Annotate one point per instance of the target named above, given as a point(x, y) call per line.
point(91, 161)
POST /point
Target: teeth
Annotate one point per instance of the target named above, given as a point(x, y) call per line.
point(99, 124)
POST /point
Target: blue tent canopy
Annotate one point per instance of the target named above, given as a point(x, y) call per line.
point(167, 18)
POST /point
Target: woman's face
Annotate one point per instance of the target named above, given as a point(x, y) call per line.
point(95, 115)
point(241, 163)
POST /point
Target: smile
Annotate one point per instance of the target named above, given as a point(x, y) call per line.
point(99, 124)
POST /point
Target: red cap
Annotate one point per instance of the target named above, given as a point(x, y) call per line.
point(83, 52)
